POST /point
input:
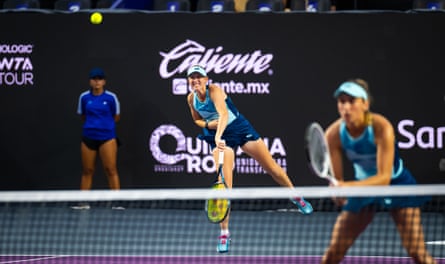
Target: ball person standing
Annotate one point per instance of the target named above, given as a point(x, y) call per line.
point(99, 110)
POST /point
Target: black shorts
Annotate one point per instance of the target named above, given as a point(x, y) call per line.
point(95, 144)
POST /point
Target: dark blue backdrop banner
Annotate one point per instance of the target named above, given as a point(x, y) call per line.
point(280, 70)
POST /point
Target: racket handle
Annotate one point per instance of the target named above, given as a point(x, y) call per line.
point(221, 155)
point(334, 181)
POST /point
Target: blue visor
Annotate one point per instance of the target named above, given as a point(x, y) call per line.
point(352, 89)
point(197, 69)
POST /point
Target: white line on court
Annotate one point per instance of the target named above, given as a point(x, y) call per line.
point(436, 242)
point(30, 260)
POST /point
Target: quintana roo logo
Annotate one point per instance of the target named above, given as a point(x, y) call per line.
point(193, 155)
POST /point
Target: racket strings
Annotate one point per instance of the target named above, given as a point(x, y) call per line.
point(318, 152)
point(217, 209)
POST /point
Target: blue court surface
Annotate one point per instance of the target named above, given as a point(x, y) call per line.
point(56, 235)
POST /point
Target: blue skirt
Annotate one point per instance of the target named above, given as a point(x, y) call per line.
point(355, 204)
point(236, 133)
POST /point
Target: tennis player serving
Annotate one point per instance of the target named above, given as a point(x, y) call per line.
point(368, 139)
point(225, 129)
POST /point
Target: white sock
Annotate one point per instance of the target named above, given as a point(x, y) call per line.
point(225, 232)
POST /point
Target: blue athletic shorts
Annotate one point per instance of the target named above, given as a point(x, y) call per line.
point(236, 133)
point(355, 204)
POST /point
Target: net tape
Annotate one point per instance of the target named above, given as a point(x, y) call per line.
point(207, 193)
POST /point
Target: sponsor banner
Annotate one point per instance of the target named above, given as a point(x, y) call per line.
point(192, 156)
point(280, 74)
point(216, 62)
point(424, 137)
point(16, 67)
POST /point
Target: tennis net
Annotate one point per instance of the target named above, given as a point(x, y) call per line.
point(170, 226)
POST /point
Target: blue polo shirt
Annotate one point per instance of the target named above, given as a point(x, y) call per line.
point(99, 111)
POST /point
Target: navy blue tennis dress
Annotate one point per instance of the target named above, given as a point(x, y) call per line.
point(99, 111)
point(238, 130)
point(361, 151)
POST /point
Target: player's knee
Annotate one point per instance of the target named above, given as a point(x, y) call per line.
point(87, 172)
point(111, 171)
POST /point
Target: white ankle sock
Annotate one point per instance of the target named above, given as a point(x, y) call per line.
point(225, 232)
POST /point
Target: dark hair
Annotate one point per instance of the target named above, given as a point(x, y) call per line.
point(364, 84)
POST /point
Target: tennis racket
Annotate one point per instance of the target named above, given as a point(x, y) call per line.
point(218, 209)
point(317, 152)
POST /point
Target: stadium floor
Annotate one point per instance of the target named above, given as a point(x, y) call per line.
point(101, 235)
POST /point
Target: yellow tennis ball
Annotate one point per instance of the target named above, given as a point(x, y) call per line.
point(96, 18)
